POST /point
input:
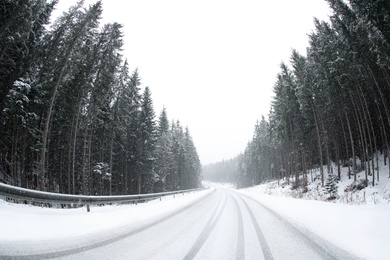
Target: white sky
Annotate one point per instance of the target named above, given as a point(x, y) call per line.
point(212, 63)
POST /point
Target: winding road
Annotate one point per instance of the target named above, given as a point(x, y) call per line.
point(223, 224)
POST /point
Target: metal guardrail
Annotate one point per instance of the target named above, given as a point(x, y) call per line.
point(13, 192)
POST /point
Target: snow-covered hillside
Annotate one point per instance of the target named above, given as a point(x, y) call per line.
point(379, 193)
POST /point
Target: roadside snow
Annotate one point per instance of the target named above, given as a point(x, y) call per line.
point(356, 221)
point(26, 223)
point(362, 230)
point(379, 193)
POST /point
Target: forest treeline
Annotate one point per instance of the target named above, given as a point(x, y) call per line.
point(329, 107)
point(74, 119)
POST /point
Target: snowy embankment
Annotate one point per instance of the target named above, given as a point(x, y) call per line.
point(377, 194)
point(31, 223)
point(356, 221)
point(362, 230)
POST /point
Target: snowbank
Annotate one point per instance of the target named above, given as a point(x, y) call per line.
point(362, 230)
point(377, 194)
point(26, 222)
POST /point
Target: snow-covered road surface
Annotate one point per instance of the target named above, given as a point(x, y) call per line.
point(214, 224)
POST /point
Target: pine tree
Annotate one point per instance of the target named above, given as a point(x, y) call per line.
point(61, 43)
point(174, 180)
point(147, 142)
point(132, 155)
point(73, 119)
point(331, 186)
point(164, 157)
point(22, 24)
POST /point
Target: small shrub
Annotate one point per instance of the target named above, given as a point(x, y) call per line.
point(304, 185)
point(331, 186)
point(357, 185)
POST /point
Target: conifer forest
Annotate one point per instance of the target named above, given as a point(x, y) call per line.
point(330, 106)
point(74, 118)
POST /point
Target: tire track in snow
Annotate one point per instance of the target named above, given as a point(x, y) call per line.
point(240, 253)
point(263, 243)
point(155, 251)
point(206, 231)
point(104, 242)
point(324, 248)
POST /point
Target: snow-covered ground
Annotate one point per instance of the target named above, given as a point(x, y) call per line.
point(27, 223)
point(377, 194)
point(357, 221)
point(361, 229)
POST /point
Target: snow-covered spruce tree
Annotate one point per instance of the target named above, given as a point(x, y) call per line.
point(101, 170)
point(164, 156)
point(248, 173)
point(124, 133)
point(131, 109)
point(363, 26)
point(19, 135)
point(287, 118)
point(186, 167)
point(22, 24)
point(147, 144)
point(309, 129)
point(174, 178)
point(100, 96)
point(120, 119)
point(68, 33)
point(72, 100)
point(262, 151)
point(338, 96)
point(70, 107)
point(331, 186)
point(192, 167)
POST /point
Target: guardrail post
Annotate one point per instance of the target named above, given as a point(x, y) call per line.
point(88, 209)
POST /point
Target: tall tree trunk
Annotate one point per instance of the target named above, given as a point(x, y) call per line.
point(57, 78)
point(294, 155)
point(352, 145)
point(360, 132)
point(385, 106)
point(49, 112)
point(111, 158)
point(326, 143)
point(373, 140)
point(139, 184)
point(384, 138)
point(319, 146)
point(346, 144)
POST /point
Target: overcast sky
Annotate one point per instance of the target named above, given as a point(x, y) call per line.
point(212, 63)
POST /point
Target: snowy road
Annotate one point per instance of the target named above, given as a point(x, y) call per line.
point(221, 224)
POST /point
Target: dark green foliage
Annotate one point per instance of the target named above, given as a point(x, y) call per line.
point(21, 27)
point(331, 186)
point(146, 144)
point(329, 107)
point(357, 185)
point(72, 118)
